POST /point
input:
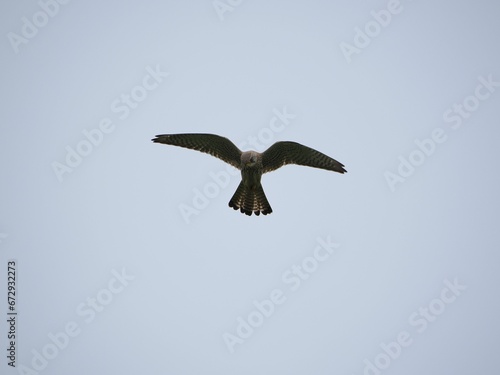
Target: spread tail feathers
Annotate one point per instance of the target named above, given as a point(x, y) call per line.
point(250, 200)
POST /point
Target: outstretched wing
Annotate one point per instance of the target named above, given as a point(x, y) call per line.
point(283, 153)
point(212, 144)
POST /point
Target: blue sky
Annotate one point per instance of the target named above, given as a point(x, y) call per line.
point(128, 258)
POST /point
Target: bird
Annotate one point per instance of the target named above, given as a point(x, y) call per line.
point(249, 196)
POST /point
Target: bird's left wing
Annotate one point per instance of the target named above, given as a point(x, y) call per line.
point(283, 153)
point(212, 144)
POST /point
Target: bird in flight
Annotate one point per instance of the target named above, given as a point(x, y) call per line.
point(249, 196)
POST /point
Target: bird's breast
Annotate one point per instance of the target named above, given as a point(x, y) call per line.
point(251, 175)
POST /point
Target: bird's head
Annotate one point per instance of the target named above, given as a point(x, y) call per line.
point(249, 159)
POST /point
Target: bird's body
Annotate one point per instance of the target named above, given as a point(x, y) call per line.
point(249, 196)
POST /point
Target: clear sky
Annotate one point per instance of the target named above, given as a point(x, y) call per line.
point(127, 257)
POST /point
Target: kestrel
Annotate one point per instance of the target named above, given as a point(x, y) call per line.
point(249, 196)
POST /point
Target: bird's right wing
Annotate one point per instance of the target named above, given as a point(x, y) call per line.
point(283, 153)
point(212, 144)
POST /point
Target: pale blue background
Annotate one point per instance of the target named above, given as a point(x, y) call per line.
point(120, 207)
